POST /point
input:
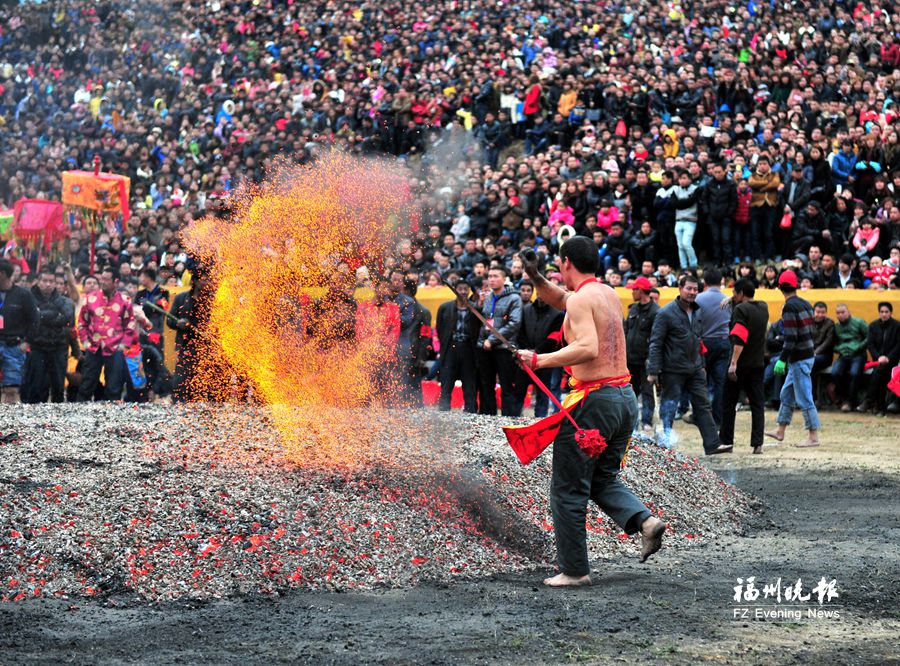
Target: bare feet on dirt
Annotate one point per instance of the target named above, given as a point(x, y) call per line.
point(806, 443)
point(564, 580)
point(651, 537)
point(777, 435)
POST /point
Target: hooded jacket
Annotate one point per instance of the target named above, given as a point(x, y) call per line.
point(671, 147)
point(505, 311)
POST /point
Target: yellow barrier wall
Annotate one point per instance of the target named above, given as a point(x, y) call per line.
point(862, 303)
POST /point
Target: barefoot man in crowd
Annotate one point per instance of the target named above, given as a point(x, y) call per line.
point(596, 358)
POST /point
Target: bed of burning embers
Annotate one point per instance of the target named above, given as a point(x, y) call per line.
point(201, 502)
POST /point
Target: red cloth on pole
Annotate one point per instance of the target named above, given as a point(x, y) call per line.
point(36, 219)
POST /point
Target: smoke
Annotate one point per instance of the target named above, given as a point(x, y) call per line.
point(501, 523)
point(436, 441)
point(444, 165)
point(443, 170)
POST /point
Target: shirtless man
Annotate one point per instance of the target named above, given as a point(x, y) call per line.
point(595, 352)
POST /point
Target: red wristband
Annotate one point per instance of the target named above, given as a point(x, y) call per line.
point(534, 361)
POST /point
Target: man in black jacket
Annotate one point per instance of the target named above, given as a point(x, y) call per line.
point(675, 361)
point(643, 195)
point(457, 330)
point(541, 326)
point(824, 337)
point(747, 333)
point(190, 316)
point(490, 136)
point(18, 318)
point(796, 193)
point(884, 347)
point(616, 245)
point(45, 369)
point(664, 210)
point(807, 226)
point(152, 294)
point(643, 244)
point(638, 326)
point(719, 201)
point(420, 343)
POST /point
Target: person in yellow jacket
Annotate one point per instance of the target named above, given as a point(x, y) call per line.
point(670, 143)
point(567, 101)
point(764, 189)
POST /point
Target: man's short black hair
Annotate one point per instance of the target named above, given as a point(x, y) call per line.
point(847, 259)
point(150, 273)
point(687, 277)
point(582, 254)
point(745, 287)
point(499, 267)
point(712, 277)
point(411, 286)
point(821, 304)
point(886, 304)
point(6, 268)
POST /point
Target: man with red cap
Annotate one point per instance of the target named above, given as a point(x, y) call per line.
point(638, 326)
point(796, 362)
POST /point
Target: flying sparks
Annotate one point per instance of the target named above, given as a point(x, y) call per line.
point(284, 263)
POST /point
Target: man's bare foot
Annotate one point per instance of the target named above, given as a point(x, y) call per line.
point(777, 435)
point(651, 536)
point(806, 443)
point(565, 580)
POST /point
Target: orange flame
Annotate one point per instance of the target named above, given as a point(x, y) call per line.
point(284, 264)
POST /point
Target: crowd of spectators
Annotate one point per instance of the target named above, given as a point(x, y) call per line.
point(754, 137)
point(751, 133)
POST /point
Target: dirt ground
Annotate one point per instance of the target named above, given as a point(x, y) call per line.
point(829, 512)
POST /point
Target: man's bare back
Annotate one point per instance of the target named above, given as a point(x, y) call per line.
point(606, 312)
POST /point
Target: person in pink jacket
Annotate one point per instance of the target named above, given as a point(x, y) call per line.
point(607, 215)
point(866, 237)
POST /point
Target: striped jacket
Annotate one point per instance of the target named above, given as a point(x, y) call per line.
point(799, 330)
